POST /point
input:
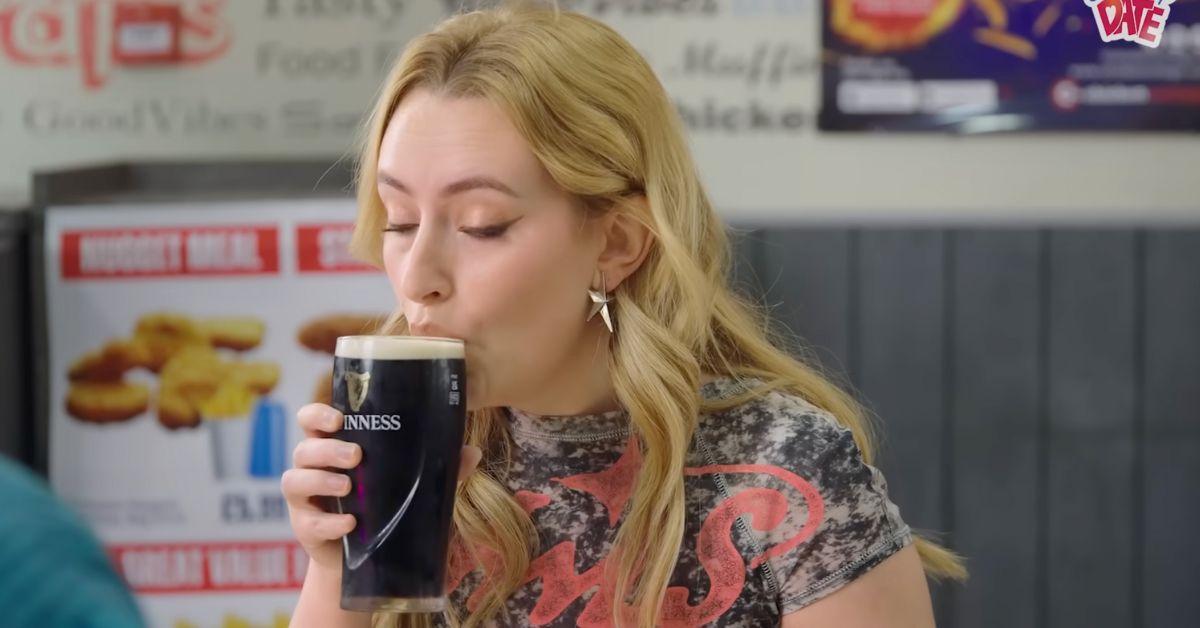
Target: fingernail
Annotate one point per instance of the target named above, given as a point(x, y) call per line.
point(338, 483)
point(348, 451)
point(332, 421)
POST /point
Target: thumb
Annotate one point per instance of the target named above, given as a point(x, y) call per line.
point(471, 456)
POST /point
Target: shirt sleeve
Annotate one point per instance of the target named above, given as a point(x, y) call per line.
point(57, 573)
point(849, 524)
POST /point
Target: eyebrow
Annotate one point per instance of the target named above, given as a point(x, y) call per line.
point(470, 183)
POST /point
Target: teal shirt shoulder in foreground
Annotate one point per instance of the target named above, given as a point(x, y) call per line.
point(54, 573)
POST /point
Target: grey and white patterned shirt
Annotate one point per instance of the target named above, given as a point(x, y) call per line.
point(781, 512)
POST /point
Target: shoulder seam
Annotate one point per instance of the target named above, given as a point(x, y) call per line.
point(572, 438)
point(768, 572)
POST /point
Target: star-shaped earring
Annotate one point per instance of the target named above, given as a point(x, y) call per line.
point(600, 301)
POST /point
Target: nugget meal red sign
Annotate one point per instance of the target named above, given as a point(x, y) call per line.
point(170, 251)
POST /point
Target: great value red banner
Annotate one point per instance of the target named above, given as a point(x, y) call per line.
point(220, 566)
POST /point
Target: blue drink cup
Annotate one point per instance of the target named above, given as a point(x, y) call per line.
point(268, 444)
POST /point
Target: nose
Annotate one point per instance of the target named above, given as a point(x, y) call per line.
point(425, 277)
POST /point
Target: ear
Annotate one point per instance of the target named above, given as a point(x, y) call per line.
point(626, 241)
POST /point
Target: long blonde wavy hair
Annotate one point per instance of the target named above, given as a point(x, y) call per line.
point(599, 121)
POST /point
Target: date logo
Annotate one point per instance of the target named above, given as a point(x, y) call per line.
point(1139, 21)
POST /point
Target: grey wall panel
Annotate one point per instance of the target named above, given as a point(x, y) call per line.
point(901, 369)
point(901, 333)
point(808, 275)
point(996, 424)
point(1040, 398)
point(1091, 404)
point(1171, 482)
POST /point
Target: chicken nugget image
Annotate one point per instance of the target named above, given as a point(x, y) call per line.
point(108, 363)
point(106, 402)
point(175, 411)
point(163, 334)
point(323, 392)
point(239, 333)
point(92, 366)
point(321, 334)
point(189, 378)
point(194, 373)
point(168, 322)
point(260, 377)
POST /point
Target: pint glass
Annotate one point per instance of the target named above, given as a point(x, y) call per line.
point(404, 403)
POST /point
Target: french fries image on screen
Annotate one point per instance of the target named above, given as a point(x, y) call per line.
point(226, 413)
point(194, 360)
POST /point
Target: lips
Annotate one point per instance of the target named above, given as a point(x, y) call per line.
point(432, 330)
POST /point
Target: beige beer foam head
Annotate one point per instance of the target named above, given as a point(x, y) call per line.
point(398, 348)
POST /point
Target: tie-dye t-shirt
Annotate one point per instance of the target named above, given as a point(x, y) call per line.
point(781, 512)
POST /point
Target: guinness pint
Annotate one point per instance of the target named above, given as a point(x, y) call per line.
point(404, 401)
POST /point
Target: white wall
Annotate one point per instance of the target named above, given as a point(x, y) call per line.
point(254, 101)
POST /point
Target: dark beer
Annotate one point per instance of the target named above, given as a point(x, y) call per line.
point(404, 401)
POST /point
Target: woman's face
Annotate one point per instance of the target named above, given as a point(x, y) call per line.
point(484, 246)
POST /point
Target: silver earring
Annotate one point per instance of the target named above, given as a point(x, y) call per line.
point(600, 301)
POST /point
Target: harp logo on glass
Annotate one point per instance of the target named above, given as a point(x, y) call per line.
point(356, 388)
point(357, 385)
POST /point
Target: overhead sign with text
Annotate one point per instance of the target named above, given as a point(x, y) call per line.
point(94, 80)
point(989, 65)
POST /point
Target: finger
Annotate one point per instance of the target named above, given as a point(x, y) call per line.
point(319, 453)
point(298, 485)
point(319, 526)
point(469, 460)
point(318, 419)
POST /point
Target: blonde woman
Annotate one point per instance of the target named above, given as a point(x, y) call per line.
point(527, 187)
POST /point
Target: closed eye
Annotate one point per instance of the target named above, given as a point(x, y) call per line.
point(493, 231)
point(483, 233)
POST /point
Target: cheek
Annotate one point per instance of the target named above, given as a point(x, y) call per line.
point(522, 294)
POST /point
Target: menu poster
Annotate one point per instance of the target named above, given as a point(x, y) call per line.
point(182, 339)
